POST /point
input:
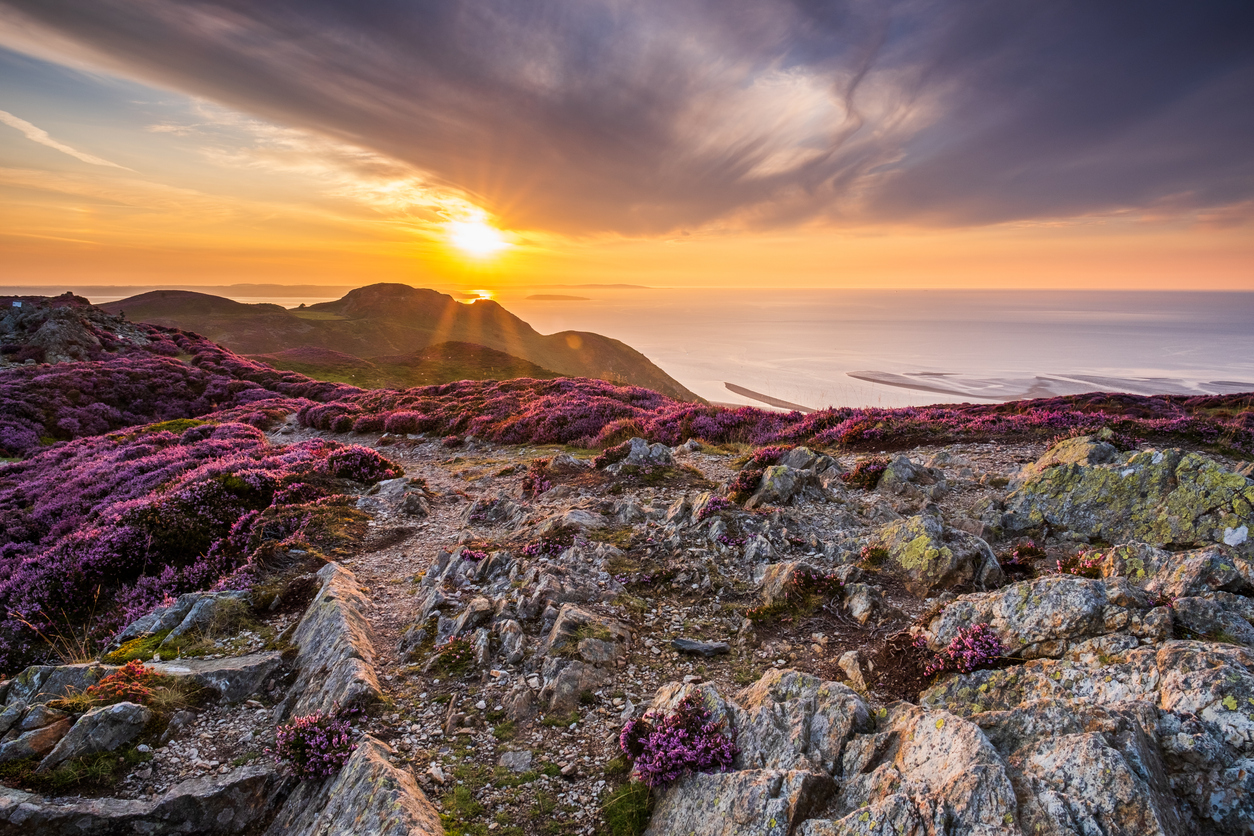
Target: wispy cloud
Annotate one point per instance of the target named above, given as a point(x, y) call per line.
point(41, 136)
point(652, 116)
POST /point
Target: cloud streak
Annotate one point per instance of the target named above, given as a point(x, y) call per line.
point(650, 116)
point(41, 136)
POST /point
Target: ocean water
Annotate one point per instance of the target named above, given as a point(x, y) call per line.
point(801, 346)
point(910, 347)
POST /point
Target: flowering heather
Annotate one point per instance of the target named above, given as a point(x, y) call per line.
point(536, 481)
point(866, 473)
point(664, 747)
point(1083, 564)
point(612, 455)
point(717, 504)
point(149, 513)
point(474, 556)
point(552, 546)
point(455, 656)
point(1022, 554)
point(315, 746)
point(973, 647)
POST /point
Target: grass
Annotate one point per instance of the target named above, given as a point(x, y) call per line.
point(505, 731)
point(627, 809)
point(560, 719)
point(98, 771)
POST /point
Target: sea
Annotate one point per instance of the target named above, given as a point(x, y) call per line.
point(815, 348)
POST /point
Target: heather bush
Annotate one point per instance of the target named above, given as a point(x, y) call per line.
point(866, 473)
point(715, 505)
point(314, 746)
point(612, 455)
point(143, 515)
point(664, 747)
point(1084, 564)
point(973, 647)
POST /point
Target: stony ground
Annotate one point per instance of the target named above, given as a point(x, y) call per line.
point(521, 613)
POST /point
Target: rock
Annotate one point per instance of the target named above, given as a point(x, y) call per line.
point(1209, 617)
point(41, 683)
point(516, 761)
point(209, 609)
point(513, 641)
point(1168, 498)
point(933, 556)
point(102, 729)
point(700, 648)
point(336, 652)
point(367, 797)
point(745, 803)
point(791, 720)
point(913, 481)
point(180, 720)
point(1098, 769)
point(494, 510)
point(35, 743)
point(214, 806)
point(1180, 574)
point(642, 454)
point(1046, 616)
point(234, 679)
point(566, 463)
point(783, 485)
point(565, 681)
point(573, 624)
point(850, 663)
point(520, 704)
point(921, 766)
point(780, 579)
point(1084, 450)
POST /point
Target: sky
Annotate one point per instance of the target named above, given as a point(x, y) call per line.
point(698, 143)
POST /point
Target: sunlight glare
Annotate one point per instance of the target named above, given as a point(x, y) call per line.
point(476, 237)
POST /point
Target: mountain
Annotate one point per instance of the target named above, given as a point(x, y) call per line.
point(439, 363)
point(387, 320)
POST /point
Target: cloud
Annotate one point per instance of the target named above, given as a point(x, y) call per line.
point(650, 116)
point(39, 135)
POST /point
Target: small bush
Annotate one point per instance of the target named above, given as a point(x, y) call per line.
point(536, 481)
point(664, 747)
point(866, 473)
point(314, 746)
point(973, 647)
point(455, 656)
point(1083, 564)
point(612, 455)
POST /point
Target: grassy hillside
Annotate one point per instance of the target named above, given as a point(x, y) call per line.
point(384, 321)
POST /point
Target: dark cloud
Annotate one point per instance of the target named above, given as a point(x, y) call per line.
point(648, 115)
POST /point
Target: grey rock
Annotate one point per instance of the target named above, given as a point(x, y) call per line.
point(181, 720)
point(367, 797)
point(745, 803)
point(566, 463)
point(792, 720)
point(517, 761)
point(1167, 498)
point(913, 481)
point(102, 729)
point(783, 485)
point(203, 613)
point(234, 679)
point(335, 659)
point(35, 743)
point(932, 556)
point(215, 806)
point(565, 680)
point(513, 641)
point(694, 647)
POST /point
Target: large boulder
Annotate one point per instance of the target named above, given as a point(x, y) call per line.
point(932, 556)
point(791, 720)
point(914, 481)
point(1049, 615)
point(1167, 498)
point(1183, 708)
point(102, 729)
point(367, 797)
point(233, 679)
point(217, 805)
point(336, 650)
point(752, 802)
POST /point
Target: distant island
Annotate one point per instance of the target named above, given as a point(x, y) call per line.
point(555, 297)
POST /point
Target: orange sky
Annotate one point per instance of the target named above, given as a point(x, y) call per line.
point(119, 172)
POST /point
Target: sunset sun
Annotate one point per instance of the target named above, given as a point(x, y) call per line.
point(476, 238)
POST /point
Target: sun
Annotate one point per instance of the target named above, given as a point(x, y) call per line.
point(476, 237)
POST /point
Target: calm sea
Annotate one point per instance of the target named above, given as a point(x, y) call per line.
point(801, 346)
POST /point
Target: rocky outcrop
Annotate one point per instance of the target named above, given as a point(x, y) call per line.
point(232, 679)
point(223, 804)
point(367, 797)
point(933, 556)
point(752, 802)
point(335, 660)
point(1167, 498)
point(101, 729)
